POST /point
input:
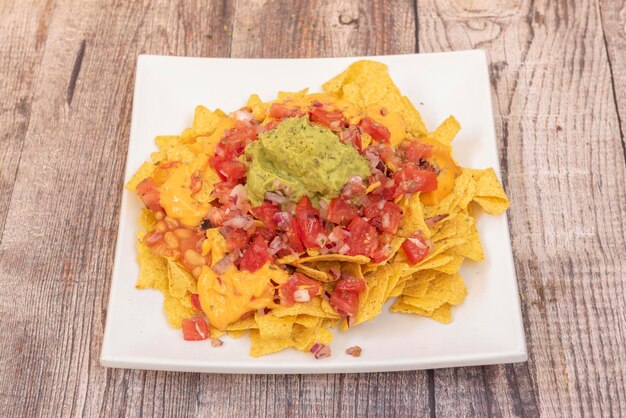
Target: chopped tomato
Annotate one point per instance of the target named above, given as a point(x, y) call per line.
point(384, 215)
point(415, 248)
point(281, 111)
point(195, 328)
point(264, 232)
point(149, 194)
point(350, 284)
point(352, 135)
point(332, 119)
point(269, 126)
point(255, 256)
point(410, 179)
point(265, 213)
point(222, 191)
point(363, 239)
point(344, 303)
point(377, 131)
point(309, 223)
point(340, 211)
point(231, 170)
point(236, 239)
point(380, 255)
point(195, 301)
point(416, 151)
point(297, 282)
point(293, 237)
point(196, 182)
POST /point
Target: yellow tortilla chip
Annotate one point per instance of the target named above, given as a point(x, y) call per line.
point(446, 132)
point(181, 282)
point(399, 306)
point(262, 346)
point(451, 266)
point(489, 193)
point(237, 334)
point(313, 308)
point(313, 273)
point(146, 170)
point(358, 259)
point(304, 338)
point(258, 107)
point(443, 314)
point(243, 324)
point(172, 148)
point(271, 326)
point(443, 289)
point(204, 123)
point(288, 95)
point(308, 321)
point(412, 218)
point(176, 311)
point(366, 83)
point(152, 269)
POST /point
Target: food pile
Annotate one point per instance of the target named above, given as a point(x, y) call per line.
point(287, 218)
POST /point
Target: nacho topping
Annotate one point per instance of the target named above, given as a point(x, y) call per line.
point(284, 219)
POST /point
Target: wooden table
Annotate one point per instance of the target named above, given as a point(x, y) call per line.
point(558, 76)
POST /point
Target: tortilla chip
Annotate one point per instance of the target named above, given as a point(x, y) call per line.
point(489, 193)
point(451, 266)
point(181, 282)
point(258, 107)
point(443, 314)
point(413, 217)
point(304, 338)
point(262, 346)
point(400, 306)
point(176, 311)
point(172, 148)
point(446, 132)
point(313, 308)
point(273, 327)
point(358, 259)
point(152, 269)
point(308, 321)
point(313, 273)
point(443, 289)
point(237, 334)
point(146, 170)
point(243, 324)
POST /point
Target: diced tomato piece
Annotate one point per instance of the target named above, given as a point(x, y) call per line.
point(269, 126)
point(195, 328)
point(281, 111)
point(416, 151)
point(309, 223)
point(149, 194)
point(256, 255)
point(196, 182)
point(363, 239)
point(293, 236)
point(222, 191)
point(329, 118)
point(350, 284)
point(231, 170)
point(195, 301)
point(265, 213)
point(344, 303)
point(297, 282)
point(377, 131)
point(340, 211)
point(236, 239)
point(415, 248)
point(410, 179)
point(265, 233)
point(384, 215)
point(380, 255)
point(352, 135)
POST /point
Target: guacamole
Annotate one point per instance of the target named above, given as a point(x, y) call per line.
point(307, 159)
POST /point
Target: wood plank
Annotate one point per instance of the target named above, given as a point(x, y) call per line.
point(23, 30)
point(613, 18)
point(563, 167)
point(57, 248)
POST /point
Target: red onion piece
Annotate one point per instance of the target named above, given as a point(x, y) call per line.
point(275, 197)
point(301, 295)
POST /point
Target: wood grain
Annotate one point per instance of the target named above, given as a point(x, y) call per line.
point(559, 88)
point(563, 168)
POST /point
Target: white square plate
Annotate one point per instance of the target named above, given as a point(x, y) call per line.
point(486, 329)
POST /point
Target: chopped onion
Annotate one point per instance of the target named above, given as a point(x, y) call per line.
point(282, 219)
point(237, 222)
point(301, 295)
point(321, 239)
point(238, 194)
point(275, 197)
point(385, 221)
point(223, 265)
point(276, 245)
point(320, 350)
point(242, 115)
point(430, 222)
point(418, 243)
point(354, 351)
point(216, 342)
point(344, 249)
